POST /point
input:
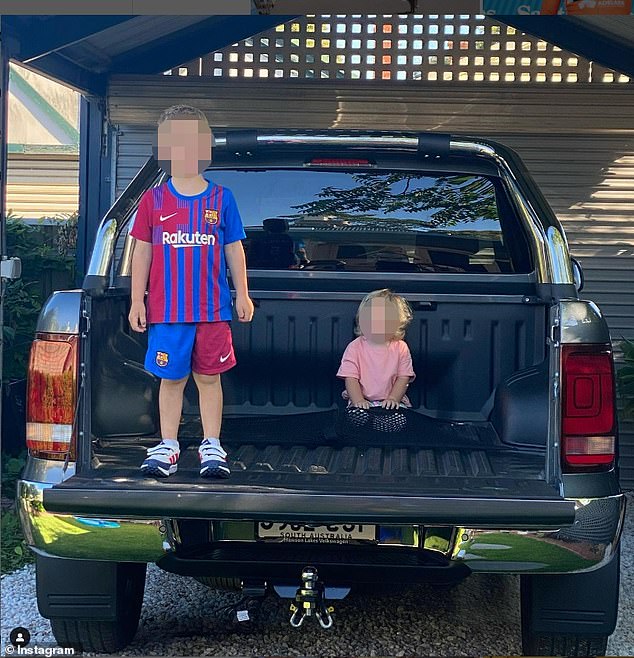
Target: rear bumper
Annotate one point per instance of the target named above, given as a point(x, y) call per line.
point(74, 536)
point(586, 545)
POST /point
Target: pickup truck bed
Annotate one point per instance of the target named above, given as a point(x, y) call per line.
point(472, 355)
point(450, 458)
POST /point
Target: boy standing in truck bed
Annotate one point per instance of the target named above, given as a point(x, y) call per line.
point(187, 231)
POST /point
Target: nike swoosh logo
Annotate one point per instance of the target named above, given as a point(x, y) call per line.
point(167, 216)
point(224, 358)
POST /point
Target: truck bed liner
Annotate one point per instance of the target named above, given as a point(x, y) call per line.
point(302, 450)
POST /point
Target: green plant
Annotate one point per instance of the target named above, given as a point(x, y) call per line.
point(14, 551)
point(45, 252)
point(12, 466)
point(625, 378)
point(67, 234)
point(22, 306)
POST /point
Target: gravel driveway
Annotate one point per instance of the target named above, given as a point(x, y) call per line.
point(478, 617)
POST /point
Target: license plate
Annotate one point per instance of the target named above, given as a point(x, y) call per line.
point(340, 533)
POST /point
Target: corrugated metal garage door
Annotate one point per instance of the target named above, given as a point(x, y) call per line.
point(577, 140)
point(40, 185)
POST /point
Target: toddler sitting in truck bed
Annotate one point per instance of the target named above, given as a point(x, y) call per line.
point(377, 365)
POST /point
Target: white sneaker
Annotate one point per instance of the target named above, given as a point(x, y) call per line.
point(161, 460)
point(213, 461)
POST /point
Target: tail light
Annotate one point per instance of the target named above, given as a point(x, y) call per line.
point(339, 162)
point(52, 396)
point(588, 407)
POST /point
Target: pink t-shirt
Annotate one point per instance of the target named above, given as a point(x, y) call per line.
point(376, 366)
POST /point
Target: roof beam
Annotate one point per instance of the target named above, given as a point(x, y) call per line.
point(57, 32)
point(580, 36)
point(208, 35)
point(36, 49)
point(62, 70)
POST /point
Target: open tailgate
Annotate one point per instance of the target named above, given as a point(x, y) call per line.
point(529, 504)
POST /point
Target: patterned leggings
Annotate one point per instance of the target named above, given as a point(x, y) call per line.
point(391, 420)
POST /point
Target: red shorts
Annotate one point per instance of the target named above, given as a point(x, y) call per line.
point(177, 348)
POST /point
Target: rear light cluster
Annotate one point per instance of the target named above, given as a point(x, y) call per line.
point(588, 407)
point(52, 396)
point(340, 162)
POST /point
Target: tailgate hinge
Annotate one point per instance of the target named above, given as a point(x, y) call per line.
point(555, 332)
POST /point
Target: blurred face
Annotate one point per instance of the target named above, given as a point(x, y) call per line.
point(379, 320)
point(184, 147)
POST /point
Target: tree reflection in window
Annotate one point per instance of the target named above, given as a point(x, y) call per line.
point(401, 201)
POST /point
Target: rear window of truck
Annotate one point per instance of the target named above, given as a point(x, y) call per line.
point(376, 221)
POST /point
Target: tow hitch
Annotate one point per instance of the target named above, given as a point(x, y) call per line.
point(310, 600)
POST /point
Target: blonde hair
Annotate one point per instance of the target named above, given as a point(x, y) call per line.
point(183, 112)
point(405, 314)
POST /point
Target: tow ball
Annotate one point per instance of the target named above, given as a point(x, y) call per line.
point(309, 601)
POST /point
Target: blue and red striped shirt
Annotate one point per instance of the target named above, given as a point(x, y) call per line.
point(188, 275)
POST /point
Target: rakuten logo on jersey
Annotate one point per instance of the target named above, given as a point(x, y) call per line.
point(182, 239)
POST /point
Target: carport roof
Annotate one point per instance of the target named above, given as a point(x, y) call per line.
point(607, 40)
point(83, 51)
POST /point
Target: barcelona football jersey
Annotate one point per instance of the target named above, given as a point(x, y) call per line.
point(188, 275)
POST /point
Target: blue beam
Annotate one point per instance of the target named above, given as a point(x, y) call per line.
point(161, 54)
point(194, 41)
point(63, 70)
point(95, 184)
point(48, 34)
point(581, 36)
point(5, 54)
point(17, 30)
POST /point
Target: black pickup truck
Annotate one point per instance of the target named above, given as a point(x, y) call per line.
point(510, 465)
